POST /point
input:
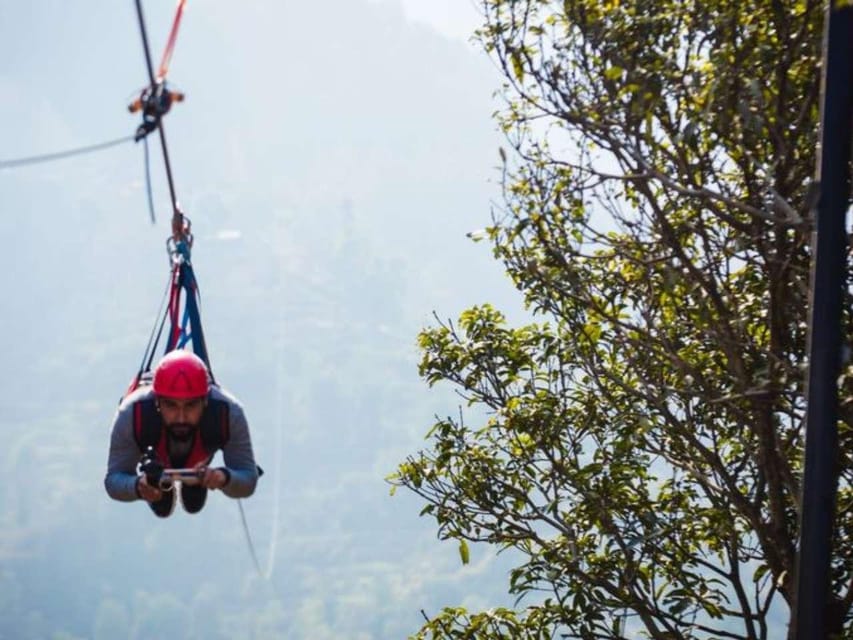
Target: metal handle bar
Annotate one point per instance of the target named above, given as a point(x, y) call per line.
point(188, 476)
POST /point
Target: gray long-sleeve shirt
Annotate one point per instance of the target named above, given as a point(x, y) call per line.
point(120, 481)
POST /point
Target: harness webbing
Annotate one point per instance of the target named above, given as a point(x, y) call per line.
point(186, 327)
point(182, 310)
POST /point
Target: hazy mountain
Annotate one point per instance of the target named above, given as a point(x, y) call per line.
point(332, 157)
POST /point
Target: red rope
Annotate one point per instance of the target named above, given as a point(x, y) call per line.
point(174, 308)
point(170, 44)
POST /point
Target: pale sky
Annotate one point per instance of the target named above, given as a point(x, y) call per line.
point(453, 18)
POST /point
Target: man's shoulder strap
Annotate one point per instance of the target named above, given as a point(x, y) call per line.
point(147, 424)
point(215, 424)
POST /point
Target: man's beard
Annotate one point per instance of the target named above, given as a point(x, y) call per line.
point(181, 431)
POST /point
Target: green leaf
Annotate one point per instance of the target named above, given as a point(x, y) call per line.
point(517, 66)
point(463, 552)
point(614, 73)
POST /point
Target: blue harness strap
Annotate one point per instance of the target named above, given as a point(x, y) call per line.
point(185, 326)
point(190, 329)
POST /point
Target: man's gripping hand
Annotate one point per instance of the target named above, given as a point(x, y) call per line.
point(146, 491)
point(212, 478)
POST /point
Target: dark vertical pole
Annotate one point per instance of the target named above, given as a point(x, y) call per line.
point(813, 618)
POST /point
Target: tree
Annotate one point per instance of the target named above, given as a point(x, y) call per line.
point(642, 441)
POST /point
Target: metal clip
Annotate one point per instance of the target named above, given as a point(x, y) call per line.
point(179, 250)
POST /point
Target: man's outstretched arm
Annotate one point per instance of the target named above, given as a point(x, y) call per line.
point(120, 481)
point(238, 457)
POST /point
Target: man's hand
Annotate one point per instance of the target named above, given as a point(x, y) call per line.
point(213, 478)
point(146, 491)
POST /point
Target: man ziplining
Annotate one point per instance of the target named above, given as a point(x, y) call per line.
point(182, 421)
point(169, 425)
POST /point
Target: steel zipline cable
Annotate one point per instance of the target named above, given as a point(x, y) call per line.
point(177, 217)
point(61, 155)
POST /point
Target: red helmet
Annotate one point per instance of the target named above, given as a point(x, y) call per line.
point(181, 374)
